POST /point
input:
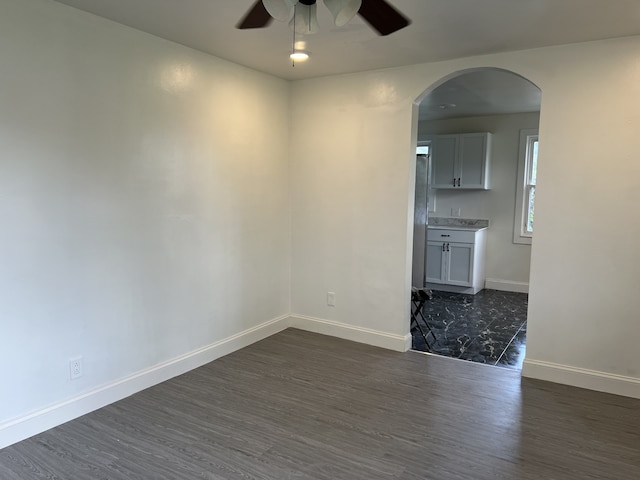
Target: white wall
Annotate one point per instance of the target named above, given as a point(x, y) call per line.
point(507, 264)
point(352, 165)
point(144, 202)
point(350, 191)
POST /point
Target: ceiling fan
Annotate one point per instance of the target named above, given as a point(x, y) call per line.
point(384, 18)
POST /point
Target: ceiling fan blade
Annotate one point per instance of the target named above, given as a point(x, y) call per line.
point(256, 17)
point(382, 16)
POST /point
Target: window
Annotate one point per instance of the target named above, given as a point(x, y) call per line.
point(526, 191)
point(423, 149)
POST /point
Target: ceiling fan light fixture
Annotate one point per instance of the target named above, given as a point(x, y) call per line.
point(343, 10)
point(379, 14)
point(299, 56)
point(305, 19)
point(281, 10)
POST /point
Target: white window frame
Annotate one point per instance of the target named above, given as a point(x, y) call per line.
point(524, 186)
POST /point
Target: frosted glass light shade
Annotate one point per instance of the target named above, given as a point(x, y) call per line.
point(306, 19)
point(343, 10)
point(281, 10)
point(299, 56)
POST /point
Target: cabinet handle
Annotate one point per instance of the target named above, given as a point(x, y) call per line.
point(443, 247)
point(458, 181)
point(454, 181)
point(443, 235)
point(447, 247)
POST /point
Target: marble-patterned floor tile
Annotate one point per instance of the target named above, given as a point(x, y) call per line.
point(489, 327)
point(513, 355)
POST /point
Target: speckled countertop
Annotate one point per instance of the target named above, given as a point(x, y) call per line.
point(438, 223)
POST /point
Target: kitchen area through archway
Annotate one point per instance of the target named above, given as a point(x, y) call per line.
point(476, 162)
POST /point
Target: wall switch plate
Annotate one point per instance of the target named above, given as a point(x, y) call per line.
point(331, 299)
point(455, 212)
point(75, 368)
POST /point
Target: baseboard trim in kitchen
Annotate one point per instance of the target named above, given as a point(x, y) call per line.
point(399, 343)
point(506, 285)
point(25, 426)
point(583, 378)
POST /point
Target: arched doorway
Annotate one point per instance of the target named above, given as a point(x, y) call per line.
point(475, 179)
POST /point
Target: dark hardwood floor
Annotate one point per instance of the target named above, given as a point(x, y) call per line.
point(304, 406)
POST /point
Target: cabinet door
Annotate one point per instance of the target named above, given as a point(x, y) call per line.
point(435, 262)
point(473, 160)
point(443, 161)
point(459, 264)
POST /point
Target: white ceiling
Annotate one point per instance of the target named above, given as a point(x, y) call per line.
point(484, 92)
point(440, 30)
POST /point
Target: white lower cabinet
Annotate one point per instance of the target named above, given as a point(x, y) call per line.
point(455, 260)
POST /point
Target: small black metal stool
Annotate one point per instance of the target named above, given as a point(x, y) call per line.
point(419, 296)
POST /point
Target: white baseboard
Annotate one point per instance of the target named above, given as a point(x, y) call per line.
point(399, 343)
point(506, 285)
point(23, 427)
point(583, 378)
point(441, 287)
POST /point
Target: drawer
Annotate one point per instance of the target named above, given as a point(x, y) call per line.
point(456, 236)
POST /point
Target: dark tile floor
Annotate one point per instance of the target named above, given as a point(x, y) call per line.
point(489, 327)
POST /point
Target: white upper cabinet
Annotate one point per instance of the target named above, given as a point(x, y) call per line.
point(444, 150)
point(461, 161)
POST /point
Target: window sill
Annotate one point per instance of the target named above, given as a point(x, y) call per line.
point(522, 240)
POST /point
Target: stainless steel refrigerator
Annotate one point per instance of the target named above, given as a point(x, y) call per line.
point(420, 221)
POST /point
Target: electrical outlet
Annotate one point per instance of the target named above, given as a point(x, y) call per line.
point(455, 212)
point(331, 299)
point(75, 367)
